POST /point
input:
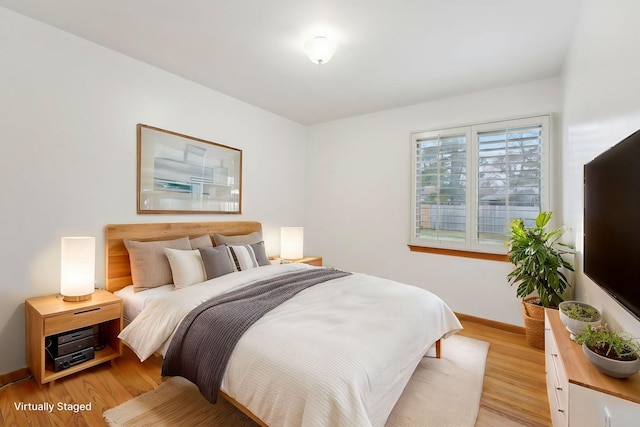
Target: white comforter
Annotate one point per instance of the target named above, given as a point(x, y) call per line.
point(337, 354)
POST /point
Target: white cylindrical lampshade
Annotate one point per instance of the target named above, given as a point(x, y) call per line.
point(291, 242)
point(77, 268)
point(319, 49)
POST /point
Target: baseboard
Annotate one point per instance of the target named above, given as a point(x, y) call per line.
point(492, 323)
point(14, 376)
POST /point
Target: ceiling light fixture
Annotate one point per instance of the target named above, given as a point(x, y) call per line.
point(319, 49)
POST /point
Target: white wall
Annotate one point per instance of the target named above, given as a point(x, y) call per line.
point(358, 196)
point(601, 107)
point(68, 114)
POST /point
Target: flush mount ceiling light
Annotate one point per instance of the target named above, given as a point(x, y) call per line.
point(319, 49)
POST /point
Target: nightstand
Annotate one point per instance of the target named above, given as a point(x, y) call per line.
point(311, 260)
point(50, 315)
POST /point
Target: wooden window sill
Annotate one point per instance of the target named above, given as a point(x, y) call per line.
point(460, 253)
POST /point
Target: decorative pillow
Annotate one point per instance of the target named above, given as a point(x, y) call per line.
point(149, 264)
point(245, 257)
point(261, 253)
point(243, 239)
point(216, 261)
point(186, 266)
point(201, 242)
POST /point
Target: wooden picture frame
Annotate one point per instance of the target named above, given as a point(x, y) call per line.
point(180, 174)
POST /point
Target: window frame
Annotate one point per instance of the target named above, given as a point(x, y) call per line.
point(471, 245)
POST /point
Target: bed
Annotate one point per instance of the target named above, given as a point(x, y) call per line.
point(339, 352)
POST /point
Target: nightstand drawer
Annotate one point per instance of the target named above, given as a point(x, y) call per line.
point(83, 317)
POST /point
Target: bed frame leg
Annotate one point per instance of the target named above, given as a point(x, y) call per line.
point(438, 349)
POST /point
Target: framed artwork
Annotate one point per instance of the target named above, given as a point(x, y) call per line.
point(182, 174)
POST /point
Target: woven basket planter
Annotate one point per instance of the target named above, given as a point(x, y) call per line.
point(533, 323)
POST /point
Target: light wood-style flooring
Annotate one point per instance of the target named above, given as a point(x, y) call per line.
point(514, 393)
point(514, 386)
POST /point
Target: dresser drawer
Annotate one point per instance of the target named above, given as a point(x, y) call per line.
point(560, 392)
point(561, 385)
point(82, 317)
point(557, 382)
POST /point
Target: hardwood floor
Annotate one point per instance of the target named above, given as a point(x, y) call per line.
point(514, 387)
point(514, 392)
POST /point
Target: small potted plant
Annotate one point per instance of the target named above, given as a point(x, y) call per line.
point(616, 354)
point(539, 262)
point(577, 315)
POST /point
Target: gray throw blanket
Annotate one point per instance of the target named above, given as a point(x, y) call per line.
point(204, 341)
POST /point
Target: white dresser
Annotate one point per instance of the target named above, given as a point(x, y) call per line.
point(579, 395)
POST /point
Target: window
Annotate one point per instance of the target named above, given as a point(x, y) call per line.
point(469, 183)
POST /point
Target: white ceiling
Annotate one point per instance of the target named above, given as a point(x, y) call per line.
point(389, 53)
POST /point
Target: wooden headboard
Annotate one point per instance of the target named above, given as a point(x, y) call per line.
point(117, 267)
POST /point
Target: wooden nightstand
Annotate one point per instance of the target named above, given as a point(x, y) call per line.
point(50, 315)
point(311, 260)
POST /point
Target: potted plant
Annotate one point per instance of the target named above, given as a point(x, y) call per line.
point(614, 354)
point(577, 315)
point(539, 262)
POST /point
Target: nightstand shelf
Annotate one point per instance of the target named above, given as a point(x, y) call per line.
point(50, 315)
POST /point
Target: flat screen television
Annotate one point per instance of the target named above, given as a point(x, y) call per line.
point(612, 222)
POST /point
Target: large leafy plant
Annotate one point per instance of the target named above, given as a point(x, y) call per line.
point(539, 259)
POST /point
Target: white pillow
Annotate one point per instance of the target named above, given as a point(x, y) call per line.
point(186, 266)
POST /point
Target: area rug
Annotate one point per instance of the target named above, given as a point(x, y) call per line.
point(441, 393)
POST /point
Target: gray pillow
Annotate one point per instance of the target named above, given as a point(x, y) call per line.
point(243, 239)
point(261, 254)
point(216, 261)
